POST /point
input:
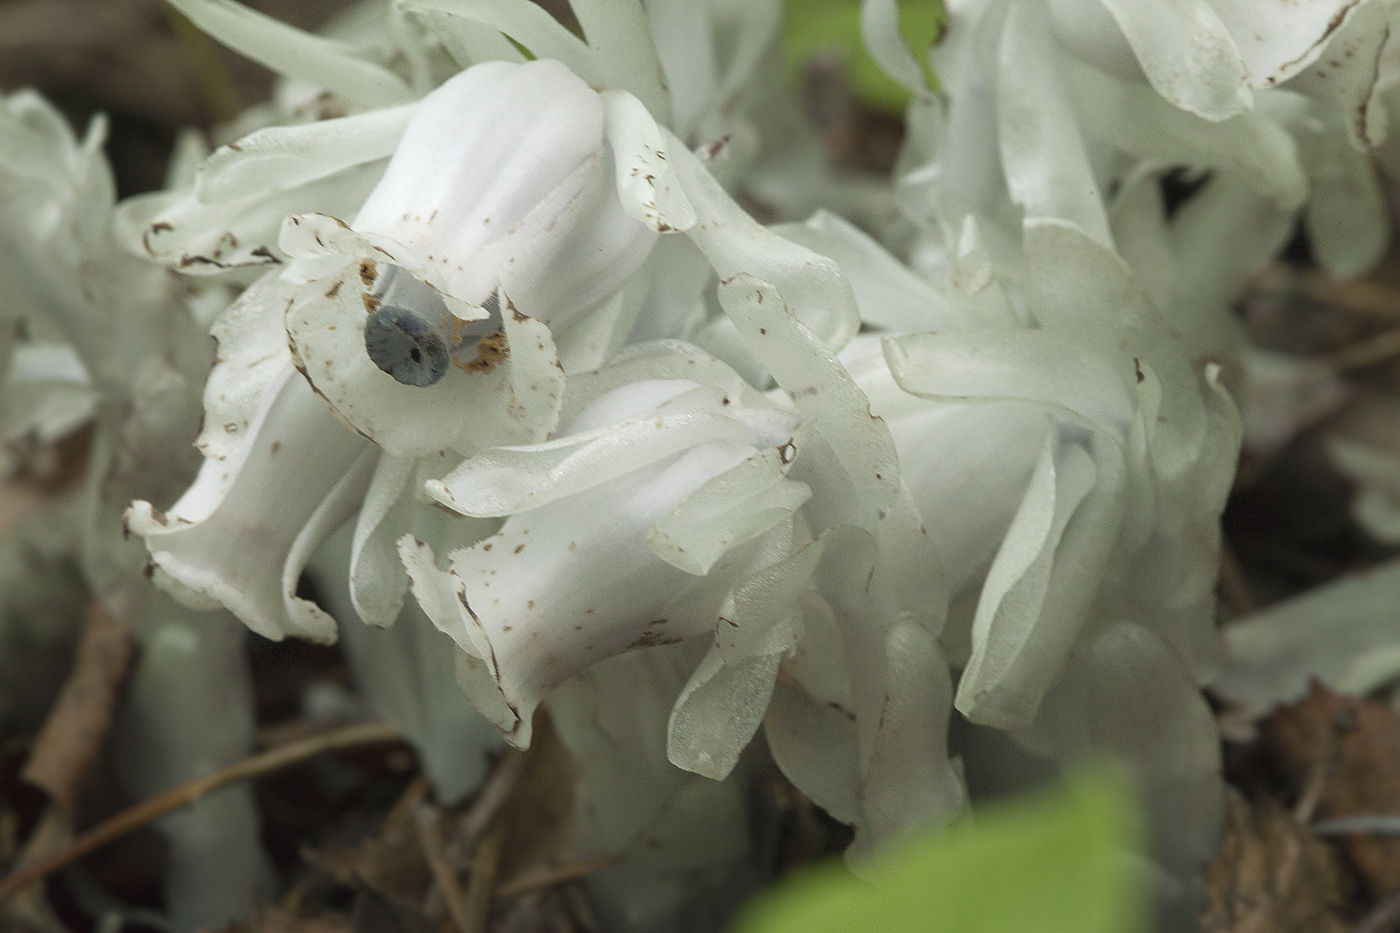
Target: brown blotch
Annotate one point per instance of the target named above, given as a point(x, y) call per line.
point(371, 303)
point(367, 272)
point(334, 289)
point(490, 350)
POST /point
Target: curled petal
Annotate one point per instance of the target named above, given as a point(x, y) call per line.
point(324, 62)
point(645, 179)
point(246, 550)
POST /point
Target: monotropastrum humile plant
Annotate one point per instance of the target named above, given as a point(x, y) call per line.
point(503, 362)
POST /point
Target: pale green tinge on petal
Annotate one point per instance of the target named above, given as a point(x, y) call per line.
point(1126, 698)
point(1086, 290)
point(814, 744)
point(646, 182)
point(281, 157)
point(1043, 157)
point(289, 51)
point(1188, 53)
point(1347, 218)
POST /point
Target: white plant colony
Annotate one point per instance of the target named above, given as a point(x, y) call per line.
point(510, 363)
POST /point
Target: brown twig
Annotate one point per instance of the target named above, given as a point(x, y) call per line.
point(444, 875)
point(486, 861)
point(78, 723)
point(183, 795)
point(1383, 918)
point(550, 877)
point(492, 796)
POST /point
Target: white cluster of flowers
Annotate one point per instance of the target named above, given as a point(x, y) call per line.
point(514, 373)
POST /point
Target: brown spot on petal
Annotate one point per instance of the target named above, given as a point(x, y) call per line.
point(519, 548)
point(490, 350)
point(367, 272)
point(334, 289)
point(371, 303)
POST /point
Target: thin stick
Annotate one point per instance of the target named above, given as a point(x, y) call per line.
point(1384, 918)
point(549, 877)
point(183, 795)
point(485, 863)
point(430, 839)
point(492, 796)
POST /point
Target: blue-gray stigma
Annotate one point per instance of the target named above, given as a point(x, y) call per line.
point(406, 347)
point(412, 336)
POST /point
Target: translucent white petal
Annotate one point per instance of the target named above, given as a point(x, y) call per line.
point(718, 712)
point(1188, 53)
point(887, 292)
point(1084, 382)
point(910, 783)
point(1020, 574)
point(619, 37)
point(562, 586)
point(247, 554)
point(211, 239)
point(879, 27)
point(289, 51)
point(1275, 43)
point(646, 182)
point(376, 576)
point(873, 497)
point(1347, 217)
point(285, 156)
point(525, 22)
point(811, 285)
point(1350, 73)
point(1022, 640)
point(506, 480)
point(1042, 148)
point(1342, 634)
point(814, 744)
point(732, 508)
point(1134, 120)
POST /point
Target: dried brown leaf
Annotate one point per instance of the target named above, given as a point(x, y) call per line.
point(1344, 753)
point(1273, 876)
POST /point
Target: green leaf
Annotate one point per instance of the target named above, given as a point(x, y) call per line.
point(812, 27)
point(1057, 862)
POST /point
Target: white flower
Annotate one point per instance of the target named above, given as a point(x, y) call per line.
point(1207, 56)
point(618, 530)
